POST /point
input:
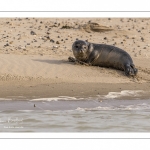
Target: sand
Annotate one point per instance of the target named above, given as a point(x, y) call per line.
point(34, 56)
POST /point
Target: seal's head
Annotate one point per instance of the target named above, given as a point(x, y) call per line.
point(81, 50)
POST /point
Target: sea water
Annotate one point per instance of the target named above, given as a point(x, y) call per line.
point(124, 111)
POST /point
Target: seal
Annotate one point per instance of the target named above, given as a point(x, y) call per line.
point(103, 55)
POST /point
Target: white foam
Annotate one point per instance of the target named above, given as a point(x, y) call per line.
point(25, 110)
point(130, 93)
point(142, 106)
point(3, 99)
point(57, 98)
point(110, 95)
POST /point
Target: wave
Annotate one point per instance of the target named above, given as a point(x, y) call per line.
point(57, 98)
point(142, 106)
point(124, 93)
point(110, 95)
point(131, 94)
point(3, 99)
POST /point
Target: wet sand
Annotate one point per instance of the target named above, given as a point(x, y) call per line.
point(46, 89)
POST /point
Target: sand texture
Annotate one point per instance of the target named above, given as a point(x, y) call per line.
point(34, 53)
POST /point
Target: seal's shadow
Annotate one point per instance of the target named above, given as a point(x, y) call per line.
point(57, 62)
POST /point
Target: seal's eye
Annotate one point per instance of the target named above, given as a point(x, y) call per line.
point(84, 47)
point(77, 46)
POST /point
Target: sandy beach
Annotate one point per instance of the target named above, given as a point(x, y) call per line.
point(34, 56)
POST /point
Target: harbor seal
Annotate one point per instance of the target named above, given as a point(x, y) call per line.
point(103, 55)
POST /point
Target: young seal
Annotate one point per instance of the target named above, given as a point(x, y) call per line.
point(103, 55)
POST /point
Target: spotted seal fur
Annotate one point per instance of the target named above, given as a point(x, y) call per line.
point(103, 55)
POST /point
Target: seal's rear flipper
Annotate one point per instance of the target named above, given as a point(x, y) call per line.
point(130, 70)
point(134, 69)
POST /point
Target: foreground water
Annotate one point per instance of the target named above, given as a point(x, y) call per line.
point(124, 111)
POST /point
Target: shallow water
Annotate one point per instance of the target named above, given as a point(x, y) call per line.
point(115, 112)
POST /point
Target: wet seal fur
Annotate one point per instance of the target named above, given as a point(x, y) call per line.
point(102, 55)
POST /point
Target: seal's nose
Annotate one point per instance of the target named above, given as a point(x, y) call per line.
point(81, 51)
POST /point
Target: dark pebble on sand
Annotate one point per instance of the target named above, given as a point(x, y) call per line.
point(32, 33)
point(28, 43)
point(47, 37)
point(52, 41)
point(121, 20)
point(57, 42)
point(142, 39)
point(105, 38)
point(115, 43)
point(6, 45)
point(77, 39)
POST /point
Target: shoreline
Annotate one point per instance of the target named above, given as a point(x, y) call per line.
point(43, 89)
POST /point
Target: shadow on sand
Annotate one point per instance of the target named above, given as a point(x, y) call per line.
point(57, 62)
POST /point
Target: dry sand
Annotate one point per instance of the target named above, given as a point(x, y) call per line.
point(34, 56)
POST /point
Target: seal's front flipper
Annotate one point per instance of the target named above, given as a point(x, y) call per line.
point(71, 59)
point(82, 63)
